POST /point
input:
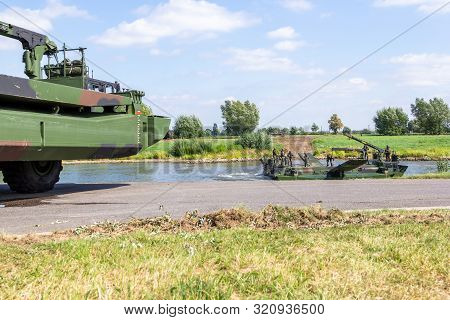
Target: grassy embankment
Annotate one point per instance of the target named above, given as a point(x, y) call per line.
point(200, 149)
point(282, 253)
point(413, 147)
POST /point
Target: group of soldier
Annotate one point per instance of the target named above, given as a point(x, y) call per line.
point(286, 157)
point(390, 156)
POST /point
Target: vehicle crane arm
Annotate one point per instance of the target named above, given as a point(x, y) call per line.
point(380, 150)
point(36, 45)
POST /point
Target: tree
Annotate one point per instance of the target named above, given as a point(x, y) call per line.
point(431, 117)
point(293, 131)
point(215, 130)
point(314, 128)
point(347, 130)
point(188, 127)
point(413, 126)
point(285, 131)
point(239, 117)
point(207, 133)
point(273, 130)
point(335, 123)
point(391, 121)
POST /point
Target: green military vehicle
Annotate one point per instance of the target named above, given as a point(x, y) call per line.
point(280, 168)
point(61, 113)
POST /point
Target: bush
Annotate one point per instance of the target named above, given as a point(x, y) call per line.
point(442, 166)
point(347, 130)
point(188, 127)
point(256, 140)
point(181, 148)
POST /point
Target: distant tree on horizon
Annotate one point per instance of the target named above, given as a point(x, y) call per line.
point(347, 130)
point(215, 130)
point(432, 117)
point(293, 131)
point(391, 121)
point(239, 117)
point(335, 123)
point(314, 128)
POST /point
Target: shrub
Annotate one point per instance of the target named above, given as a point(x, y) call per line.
point(188, 127)
point(442, 165)
point(181, 148)
point(256, 140)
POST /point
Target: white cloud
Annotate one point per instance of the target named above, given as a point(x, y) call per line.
point(283, 33)
point(170, 53)
point(348, 87)
point(143, 10)
point(289, 45)
point(325, 15)
point(297, 5)
point(176, 18)
point(266, 60)
point(286, 34)
point(422, 5)
point(359, 83)
point(38, 19)
point(422, 70)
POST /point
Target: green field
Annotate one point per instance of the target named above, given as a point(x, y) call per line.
point(278, 253)
point(414, 146)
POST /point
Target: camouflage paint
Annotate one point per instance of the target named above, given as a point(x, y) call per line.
point(57, 119)
point(35, 91)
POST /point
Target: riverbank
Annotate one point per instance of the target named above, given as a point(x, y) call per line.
point(409, 148)
point(282, 253)
point(170, 160)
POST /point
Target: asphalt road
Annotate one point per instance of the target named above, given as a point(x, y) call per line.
point(72, 205)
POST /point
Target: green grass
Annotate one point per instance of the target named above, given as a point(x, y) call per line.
point(414, 146)
point(234, 254)
point(435, 175)
point(199, 149)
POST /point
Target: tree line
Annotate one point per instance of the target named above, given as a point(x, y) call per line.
point(429, 117)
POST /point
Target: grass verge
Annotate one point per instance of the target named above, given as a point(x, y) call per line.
point(434, 175)
point(278, 253)
point(414, 146)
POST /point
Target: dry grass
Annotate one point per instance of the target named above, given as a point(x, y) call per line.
point(278, 253)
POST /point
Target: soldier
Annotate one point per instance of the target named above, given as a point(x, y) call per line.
point(274, 154)
point(365, 152)
point(387, 153)
point(328, 159)
point(394, 157)
point(117, 86)
point(282, 157)
point(290, 156)
point(306, 160)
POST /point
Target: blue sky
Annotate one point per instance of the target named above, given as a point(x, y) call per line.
point(189, 56)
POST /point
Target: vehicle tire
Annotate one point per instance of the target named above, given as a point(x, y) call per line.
point(31, 176)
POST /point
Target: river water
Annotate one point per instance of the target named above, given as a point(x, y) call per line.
point(170, 172)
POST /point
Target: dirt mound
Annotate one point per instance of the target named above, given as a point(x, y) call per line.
point(296, 144)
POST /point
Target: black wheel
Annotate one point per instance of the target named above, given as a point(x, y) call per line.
point(31, 176)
